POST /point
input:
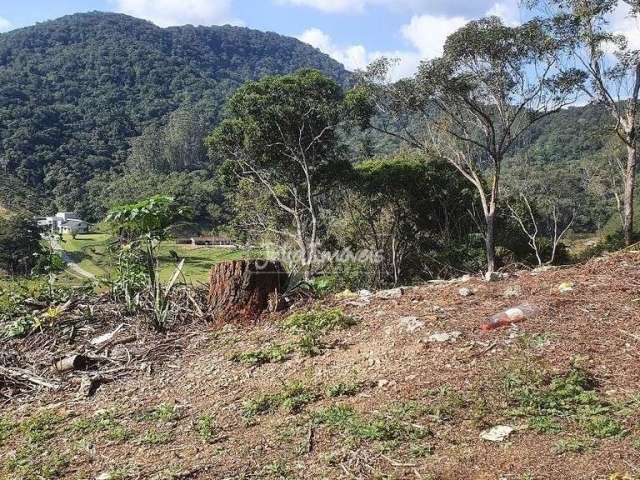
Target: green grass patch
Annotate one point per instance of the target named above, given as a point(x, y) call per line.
point(162, 413)
point(293, 397)
point(313, 324)
point(154, 437)
point(548, 401)
point(29, 463)
point(392, 426)
point(270, 354)
point(205, 426)
point(41, 427)
point(104, 422)
point(343, 389)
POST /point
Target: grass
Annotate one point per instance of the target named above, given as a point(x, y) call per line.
point(154, 437)
point(293, 397)
point(90, 252)
point(385, 427)
point(344, 389)
point(271, 354)
point(162, 413)
point(553, 402)
point(313, 324)
point(205, 427)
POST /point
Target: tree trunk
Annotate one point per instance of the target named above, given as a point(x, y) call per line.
point(629, 190)
point(241, 290)
point(490, 243)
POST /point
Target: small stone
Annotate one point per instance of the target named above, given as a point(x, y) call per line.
point(465, 292)
point(389, 294)
point(566, 287)
point(513, 291)
point(383, 383)
point(411, 324)
point(493, 276)
point(444, 337)
point(497, 434)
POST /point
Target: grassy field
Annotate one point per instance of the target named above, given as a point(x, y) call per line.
point(90, 251)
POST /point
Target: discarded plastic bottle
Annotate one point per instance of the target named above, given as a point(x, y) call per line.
point(511, 316)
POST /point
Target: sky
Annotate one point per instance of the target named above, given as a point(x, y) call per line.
point(354, 32)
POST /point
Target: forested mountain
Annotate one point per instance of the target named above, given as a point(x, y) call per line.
point(75, 91)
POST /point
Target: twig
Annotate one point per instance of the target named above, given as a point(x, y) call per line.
point(310, 436)
point(26, 375)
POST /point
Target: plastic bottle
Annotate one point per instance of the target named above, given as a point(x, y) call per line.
point(511, 316)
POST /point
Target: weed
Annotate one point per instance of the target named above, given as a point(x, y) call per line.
point(569, 446)
point(444, 403)
point(601, 426)
point(293, 398)
point(259, 406)
point(161, 413)
point(206, 428)
point(570, 396)
point(321, 321)
point(313, 324)
point(29, 464)
point(543, 424)
point(103, 422)
point(344, 389)
point(271, 354)
point(121, 473)
point(277, 470)
point(41, 427)
point(6, 429)
point(154, 437)
point(380, 428)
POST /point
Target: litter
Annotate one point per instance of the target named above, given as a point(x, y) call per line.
point(511, 316)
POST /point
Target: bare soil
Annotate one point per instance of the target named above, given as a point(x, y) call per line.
point(179, 406)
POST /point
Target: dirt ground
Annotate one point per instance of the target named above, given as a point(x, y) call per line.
point(383, 399)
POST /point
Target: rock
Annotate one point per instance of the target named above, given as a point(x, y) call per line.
point(364, 294)
point(346, 295)
point(544, 268)
point(389, 294)
point(383, 383)
point(497, 434)
point(493, 276)
point(465, 278)
point(411, 324)
point(444, 337)
point(465, 292)
point(566, 287)
point(513, 291)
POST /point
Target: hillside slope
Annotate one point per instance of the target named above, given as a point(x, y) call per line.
point(388, 397)
point(74, 91)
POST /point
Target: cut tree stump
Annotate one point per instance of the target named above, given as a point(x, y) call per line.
point(241, 290)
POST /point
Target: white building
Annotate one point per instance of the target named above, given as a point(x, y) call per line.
point(64, 222)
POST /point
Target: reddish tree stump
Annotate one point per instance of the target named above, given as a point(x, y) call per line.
point(241, 290)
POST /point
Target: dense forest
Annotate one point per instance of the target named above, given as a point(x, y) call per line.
point(75, 91)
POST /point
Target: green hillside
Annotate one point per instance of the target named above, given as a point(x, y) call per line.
point(74, 91)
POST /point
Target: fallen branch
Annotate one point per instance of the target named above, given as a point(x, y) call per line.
point(28, 376)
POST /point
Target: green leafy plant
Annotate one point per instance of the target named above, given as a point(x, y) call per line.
point(144, 225)
point(272, 354)
point(313, 324)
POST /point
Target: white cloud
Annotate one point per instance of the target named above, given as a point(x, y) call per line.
point(428, 33)
point(508, 11)
point(167, 13)
point(425, 33)
point(469, 8)
point(623, 23)
point(5, 25)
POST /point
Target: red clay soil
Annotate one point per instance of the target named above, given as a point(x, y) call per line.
point(456, 388)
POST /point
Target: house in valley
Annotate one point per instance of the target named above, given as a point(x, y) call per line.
point(63, 223)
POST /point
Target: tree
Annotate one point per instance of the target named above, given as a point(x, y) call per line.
point(280, 137)
point(613, 68)
point(473, 104)
point(19, 243)
point(411, 212)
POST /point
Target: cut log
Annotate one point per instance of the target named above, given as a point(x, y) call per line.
point(241, 290)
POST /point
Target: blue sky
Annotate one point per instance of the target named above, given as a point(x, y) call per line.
point(355, 32)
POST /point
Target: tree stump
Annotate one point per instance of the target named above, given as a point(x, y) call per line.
point(241, 290)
